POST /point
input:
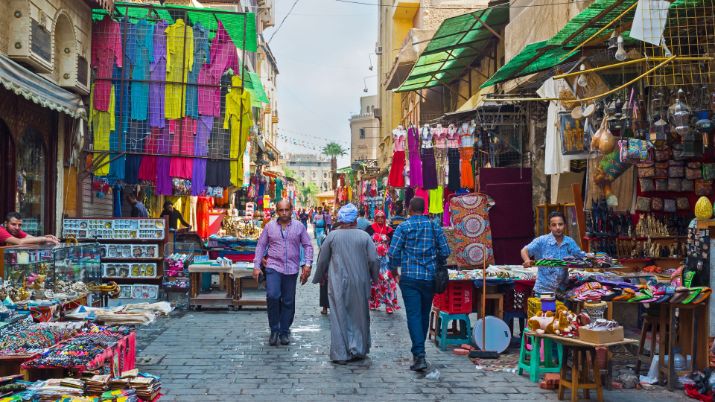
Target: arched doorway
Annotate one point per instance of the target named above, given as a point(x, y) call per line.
point(7, 166)
point(30, 171)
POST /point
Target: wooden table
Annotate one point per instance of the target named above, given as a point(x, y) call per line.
point(583, 362)
point(243, 275)
point(222, 299)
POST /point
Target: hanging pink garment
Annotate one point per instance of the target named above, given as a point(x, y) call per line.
point(183, 133)
point(420, 192)
point(106, 50)
point(223, 56)
point(413, 146)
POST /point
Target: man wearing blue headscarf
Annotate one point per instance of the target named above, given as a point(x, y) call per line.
point(348, 259)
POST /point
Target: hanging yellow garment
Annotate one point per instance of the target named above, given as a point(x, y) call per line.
point(102, 124)
point(179, 61)
point(238, 121)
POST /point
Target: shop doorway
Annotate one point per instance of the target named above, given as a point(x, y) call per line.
point(31, 179)
point(7, 179)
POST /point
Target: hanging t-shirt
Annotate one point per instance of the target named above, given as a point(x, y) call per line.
point(554, 162)
point(179, 61)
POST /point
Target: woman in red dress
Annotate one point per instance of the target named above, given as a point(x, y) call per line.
point(385, 290)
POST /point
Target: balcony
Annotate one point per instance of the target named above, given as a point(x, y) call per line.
point(405, 10)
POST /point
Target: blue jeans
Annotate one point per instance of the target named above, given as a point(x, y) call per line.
point(417, 296)
point(280, 295)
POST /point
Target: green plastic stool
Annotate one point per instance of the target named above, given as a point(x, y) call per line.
point(531, 359)
point(444, 338)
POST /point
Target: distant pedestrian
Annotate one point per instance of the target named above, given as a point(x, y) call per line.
point(362, 222)
point(349, 260)
point(303, 216)
point(328, 218)
point(416, 246)
point(138, 208)
point(397, 215)
point(280, 242)
point(384, 291)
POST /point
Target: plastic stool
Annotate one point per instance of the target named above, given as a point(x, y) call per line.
point(531, 359)
point(444, 337)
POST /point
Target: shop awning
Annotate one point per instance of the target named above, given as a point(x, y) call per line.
point(25, 83)
point(244, 37)
point(455, 45)
point(414, 44)
point(547, 54)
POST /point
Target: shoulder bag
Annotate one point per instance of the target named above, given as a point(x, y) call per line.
point(441, 275)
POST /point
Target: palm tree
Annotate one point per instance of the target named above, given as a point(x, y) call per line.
point(333, 150)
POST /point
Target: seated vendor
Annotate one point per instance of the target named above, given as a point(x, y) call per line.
point(553, 245)
point(174, 216)
point(11, 233)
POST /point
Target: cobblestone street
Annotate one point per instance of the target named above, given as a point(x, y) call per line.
point(224, 356)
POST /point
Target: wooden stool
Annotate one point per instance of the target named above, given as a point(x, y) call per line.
point(497, 299)
point(583, 366)
point(651, 324)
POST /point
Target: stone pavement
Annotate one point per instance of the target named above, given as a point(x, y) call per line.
point(224, 356)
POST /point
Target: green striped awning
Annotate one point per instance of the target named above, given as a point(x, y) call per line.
point(455, 45)
point(547, 54)
point(242, 36)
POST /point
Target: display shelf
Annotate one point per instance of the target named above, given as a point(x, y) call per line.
point(132, 250)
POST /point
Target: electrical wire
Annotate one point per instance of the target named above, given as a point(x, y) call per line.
point(273, 35)
point(507, 5)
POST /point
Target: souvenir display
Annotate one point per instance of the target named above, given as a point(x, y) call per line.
point(114, 229)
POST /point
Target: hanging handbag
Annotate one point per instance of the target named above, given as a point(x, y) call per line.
point(441, 275)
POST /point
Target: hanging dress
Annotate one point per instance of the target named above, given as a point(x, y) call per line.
point(466, 153)
point(439, 135)
point(453, 157)
point(413, 145)
point(429, 169)
point(397, 169)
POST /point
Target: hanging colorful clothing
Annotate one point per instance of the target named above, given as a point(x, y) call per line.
point(413, 145)
point(102, 124)
point(157, 75)
point(436, 205)
point(467, 173)
point(179, 61)
point(223, 57)
point(201, 148)
point(454, 169)
point(106, 50)
point(440, 154)
point(473, 233)
point(201, 57)
point(238, 121)
point(203, 205)
point(429, 170)
point(183, 137)
point(140, 52)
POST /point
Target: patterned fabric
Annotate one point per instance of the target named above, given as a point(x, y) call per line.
point(413, 248)
point(473, 234)
point(634, 150)
point(550, 279)
point(385, 290)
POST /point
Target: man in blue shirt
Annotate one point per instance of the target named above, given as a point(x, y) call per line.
point(553, 245)
point(415, 247)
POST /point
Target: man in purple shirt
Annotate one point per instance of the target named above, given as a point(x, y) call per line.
point(280, 244)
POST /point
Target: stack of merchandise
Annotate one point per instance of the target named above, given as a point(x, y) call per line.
point(146, 386)
point(25, 337)
point(97, 384)
point(56, 388)
point(81, 350)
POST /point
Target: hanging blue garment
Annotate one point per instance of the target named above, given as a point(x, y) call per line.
point(139, 51)
point(201, 56)
point(117, 201)
point(121, 112)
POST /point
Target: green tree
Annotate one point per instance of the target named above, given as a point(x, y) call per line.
point(333, 150)
point(307, 194)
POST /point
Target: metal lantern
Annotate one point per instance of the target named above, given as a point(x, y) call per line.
point(680, 115)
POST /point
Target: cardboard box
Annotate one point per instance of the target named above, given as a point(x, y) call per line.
point(601, 337)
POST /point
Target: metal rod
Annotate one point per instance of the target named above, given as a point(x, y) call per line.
point(629, 62)
point(621, 15)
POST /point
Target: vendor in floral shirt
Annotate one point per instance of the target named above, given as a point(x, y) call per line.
point(553, 245)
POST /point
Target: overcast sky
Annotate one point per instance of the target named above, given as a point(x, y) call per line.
point(322, 54)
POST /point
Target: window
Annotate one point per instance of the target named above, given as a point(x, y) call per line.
point(313, 176)
point(325, 175)
point(362, 133)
